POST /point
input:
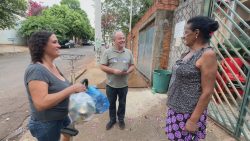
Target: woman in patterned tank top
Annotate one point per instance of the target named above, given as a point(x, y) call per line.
point(192, 83)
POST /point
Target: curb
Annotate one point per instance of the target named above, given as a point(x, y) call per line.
point(8, 49)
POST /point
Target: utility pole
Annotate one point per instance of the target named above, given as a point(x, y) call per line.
point(98, 32)
point(130, 24)
point(131, 12)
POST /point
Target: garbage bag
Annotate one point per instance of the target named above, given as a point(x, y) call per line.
point(81, 107)
point(101, 101)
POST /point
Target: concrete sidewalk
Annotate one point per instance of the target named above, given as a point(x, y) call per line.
point(145, 121)
point(9, 49)
point(145, 118)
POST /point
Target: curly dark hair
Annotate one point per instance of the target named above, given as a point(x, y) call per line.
point(205, 24)
point(37, 43)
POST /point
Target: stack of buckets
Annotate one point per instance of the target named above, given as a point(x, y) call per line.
point(161, 80)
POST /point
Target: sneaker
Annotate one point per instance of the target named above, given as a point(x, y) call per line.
point(109, 125)
point(122, 125)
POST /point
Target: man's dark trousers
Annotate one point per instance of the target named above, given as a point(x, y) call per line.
point(112, 94)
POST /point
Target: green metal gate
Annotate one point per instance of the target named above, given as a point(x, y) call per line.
point(230, 103)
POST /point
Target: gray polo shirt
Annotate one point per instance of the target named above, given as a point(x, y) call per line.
point(118, 60)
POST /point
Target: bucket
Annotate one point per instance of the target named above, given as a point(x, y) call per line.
point(161, 80)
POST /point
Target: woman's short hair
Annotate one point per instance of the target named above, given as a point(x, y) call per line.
point(205, 24)
point(37, 43)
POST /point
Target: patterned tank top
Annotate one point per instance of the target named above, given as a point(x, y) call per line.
point(185, 84)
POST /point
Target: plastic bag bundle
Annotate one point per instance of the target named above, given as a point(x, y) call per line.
point(81, 107)
point(101, 101)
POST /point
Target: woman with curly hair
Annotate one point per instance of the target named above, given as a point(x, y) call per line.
point(192, 83)
point(48, 90)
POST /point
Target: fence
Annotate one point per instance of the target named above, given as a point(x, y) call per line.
point(230, 102)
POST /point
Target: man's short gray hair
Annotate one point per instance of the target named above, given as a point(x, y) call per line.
point(114, 33)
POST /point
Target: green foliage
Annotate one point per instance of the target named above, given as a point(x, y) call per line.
point(65, 22)
point(108, 23)
point(144, 6)
point(245, 42)
point(72, 4)
point(119, 11)
point(237, 46)
point(37, 23)
point(9, 12)
point(76, 21)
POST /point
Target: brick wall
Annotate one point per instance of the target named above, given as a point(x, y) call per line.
point(166, 4)
point(166, 42)
point(133, 37)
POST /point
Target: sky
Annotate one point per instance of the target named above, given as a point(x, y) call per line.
point(86, 5)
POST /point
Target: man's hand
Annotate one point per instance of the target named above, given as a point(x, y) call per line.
point(119, 72)
point(130, 69)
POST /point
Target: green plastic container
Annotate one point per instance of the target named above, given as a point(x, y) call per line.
point(161, 80)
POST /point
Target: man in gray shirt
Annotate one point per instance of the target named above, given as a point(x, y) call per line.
point(118, 63)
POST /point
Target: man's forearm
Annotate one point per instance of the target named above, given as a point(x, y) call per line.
point(106, 69)
point(131, 68)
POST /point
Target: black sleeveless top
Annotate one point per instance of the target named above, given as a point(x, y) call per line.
point(185, 85)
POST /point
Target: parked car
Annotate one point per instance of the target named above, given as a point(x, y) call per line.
point(87, 43)
point(67, 43)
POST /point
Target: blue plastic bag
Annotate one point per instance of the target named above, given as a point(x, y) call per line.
point(101, 101)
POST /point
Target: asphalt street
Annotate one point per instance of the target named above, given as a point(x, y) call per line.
point(14, 107)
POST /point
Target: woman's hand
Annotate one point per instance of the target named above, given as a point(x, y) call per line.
point(78, 87)
point(191, 126)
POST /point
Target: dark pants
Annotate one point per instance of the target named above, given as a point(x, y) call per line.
point(112, 94)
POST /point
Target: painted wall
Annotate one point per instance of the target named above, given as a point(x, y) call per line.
point(7, 35)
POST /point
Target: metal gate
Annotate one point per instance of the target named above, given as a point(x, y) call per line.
point(230, 102)
point(145, 50)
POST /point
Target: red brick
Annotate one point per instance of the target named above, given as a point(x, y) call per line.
point(169, 5)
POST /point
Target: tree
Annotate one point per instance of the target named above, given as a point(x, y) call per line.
point(35, 8)
point(37, 23)
point(77, 22)
point(62, 20)
point(108, 24)
point(72, 4)
point(9, 12)
point(75, 5)
point(120, 11)
point(143, 5)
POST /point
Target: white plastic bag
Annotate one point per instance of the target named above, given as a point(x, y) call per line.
point(81, 107)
